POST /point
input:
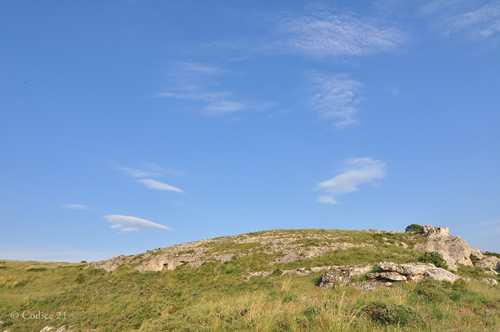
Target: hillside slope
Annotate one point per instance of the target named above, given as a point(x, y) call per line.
point(282, 248)
point(263, 281)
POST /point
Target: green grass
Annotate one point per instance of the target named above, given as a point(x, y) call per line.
point(216, 297)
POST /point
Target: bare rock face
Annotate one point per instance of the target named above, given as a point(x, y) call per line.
point(453, 249)
point(489, 262)
point(435, 232)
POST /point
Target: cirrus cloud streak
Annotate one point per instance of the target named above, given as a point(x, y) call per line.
point(157, 185)
point(132, 224)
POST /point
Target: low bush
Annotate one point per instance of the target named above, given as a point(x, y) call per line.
point(434, 258)
point(390, 314)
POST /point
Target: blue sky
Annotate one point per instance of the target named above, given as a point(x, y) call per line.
point(131, 125)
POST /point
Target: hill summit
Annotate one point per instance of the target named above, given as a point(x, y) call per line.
point(289, 248)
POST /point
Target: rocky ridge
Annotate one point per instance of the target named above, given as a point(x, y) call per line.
point(293, 245)
point(196, 253)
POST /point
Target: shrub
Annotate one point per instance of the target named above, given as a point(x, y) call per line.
point(431, 291)
point(474, 259)
point(390, 314)
point(311, 313)
point(282, 322)
point(434, 258)
point(37, 269)
point(414, 228)
point(80, 279)
point(277, 272)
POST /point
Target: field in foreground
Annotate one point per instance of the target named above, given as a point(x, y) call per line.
point(218, 297)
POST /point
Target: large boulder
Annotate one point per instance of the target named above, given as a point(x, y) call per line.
point(387, 273)
point(453, 249)
point(417, 271)
point(343, 275)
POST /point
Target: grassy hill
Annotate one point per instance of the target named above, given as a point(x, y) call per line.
point(210, 294)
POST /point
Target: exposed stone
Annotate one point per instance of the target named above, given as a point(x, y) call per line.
point(435, 232)
point(287, 248)
point(297, 272)
point(258, 274)
point(453, 249)
point(358, 270)
point(47, 329)
point(320, 268)
point(489, 262)
point(490, 281)
point(391, 267)
point(390, 272)
point(491, 272)
point(417, 271)
point(441, 275)
point(372, 276)
point(61, 329)
point(392, 276)
point(330, 280)
point(196, 253)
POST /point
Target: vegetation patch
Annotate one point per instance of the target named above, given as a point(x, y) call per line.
point(489, 253)
point(434, 258)
point(37, 269)
point(391, 314)
point(230, 247)
point(217, 296)
point(414, 228)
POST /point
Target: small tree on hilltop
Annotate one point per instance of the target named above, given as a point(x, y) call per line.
point(414, 228)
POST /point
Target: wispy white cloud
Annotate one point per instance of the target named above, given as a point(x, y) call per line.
point(132, 224)
point(322, 35)
point(224, 107)
point(326, 200)
point(193, 82)
point(150, 170)
point(469, 19)
point(75, 206)
point(358, 171)
point(157, 185)
point(336, 98)
point(138, 173)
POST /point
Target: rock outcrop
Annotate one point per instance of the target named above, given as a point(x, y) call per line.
point(221, 250)
point(489, 262)
point(387, 273)
point(290, 245)
point(489, 281)
point(53, 329)
point(453, 249)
